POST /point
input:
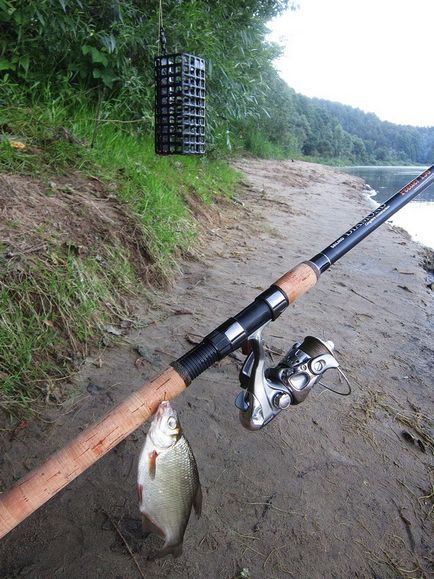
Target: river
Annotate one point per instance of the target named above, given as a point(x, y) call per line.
point(417, 218)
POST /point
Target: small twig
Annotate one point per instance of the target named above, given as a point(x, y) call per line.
point(219, 476)
point(119, 121)
point(275, 550)
point(404, 272)
point(270, 506)
point(214, 232)
point(160, 351)
point(125, 543)
point(28, 250)
point(361, 296)
point(182, 312)
point(247, 547)
point(271, 350)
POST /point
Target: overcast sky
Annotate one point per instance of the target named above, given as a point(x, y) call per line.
point(376, 55)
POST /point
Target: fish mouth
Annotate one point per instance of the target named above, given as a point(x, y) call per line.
point(162, 408)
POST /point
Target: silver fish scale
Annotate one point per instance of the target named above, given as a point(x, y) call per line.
point(167, 499)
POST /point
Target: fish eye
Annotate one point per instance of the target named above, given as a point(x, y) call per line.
point(171, 422)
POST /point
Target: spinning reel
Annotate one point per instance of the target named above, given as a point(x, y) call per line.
point(268, 391)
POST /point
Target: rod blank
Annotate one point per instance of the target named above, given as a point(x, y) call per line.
point(368, 224)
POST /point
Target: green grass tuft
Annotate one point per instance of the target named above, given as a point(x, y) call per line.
point(58, 135)
point(258, 145)
point(50, 311)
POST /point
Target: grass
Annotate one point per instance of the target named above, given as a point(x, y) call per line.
point(261, 147)
point(50, 311)
point(54, 303)
point(122, 155)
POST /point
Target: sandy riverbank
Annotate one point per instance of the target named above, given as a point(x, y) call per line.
point(333, 487)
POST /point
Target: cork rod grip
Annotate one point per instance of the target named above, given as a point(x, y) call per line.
point(36, 488)
point(297, 281)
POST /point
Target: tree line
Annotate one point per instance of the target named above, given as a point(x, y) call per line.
point(104, 50)
point(303, 126)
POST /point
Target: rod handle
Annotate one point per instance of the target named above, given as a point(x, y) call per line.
point(298, 280)
point(42, 483)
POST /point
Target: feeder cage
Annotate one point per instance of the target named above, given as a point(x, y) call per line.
point(179, 104)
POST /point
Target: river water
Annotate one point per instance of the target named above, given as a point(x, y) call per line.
point(417, 218)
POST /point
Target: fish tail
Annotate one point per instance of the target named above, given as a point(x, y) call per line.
point(148, 527)
point(197, 501)
point(175, 550)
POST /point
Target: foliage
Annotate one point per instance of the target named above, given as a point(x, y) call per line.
point(313, 128)
point(107, 49)
point(260, 146)
point(383, 141)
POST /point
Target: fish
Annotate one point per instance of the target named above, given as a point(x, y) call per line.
point(168, 484)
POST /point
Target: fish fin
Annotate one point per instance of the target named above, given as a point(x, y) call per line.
point(175, 550)
point(149, 527)
point(152, 458)
point(197, 501)
point(140, 493)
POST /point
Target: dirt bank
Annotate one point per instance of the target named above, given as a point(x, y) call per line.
point(336, 487)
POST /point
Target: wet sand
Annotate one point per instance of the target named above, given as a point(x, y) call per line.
point(335, 487)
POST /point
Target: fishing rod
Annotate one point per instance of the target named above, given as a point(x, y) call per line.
point(267, 391)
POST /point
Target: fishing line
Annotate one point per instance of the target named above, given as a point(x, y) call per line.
point(161, 40)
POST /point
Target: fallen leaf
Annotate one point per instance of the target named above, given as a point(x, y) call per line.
point(193, 338)
point(113, 330)
point(140, 362)
point(18, 145)
point(97, 363)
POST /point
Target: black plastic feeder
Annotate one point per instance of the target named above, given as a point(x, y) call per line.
point(179, 104)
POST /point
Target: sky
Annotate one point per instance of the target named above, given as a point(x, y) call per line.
point(375, 55)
